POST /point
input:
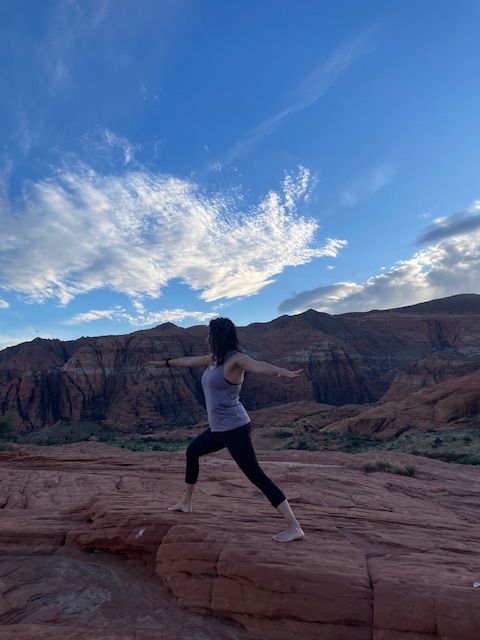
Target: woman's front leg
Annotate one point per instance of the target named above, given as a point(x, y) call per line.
point(206, 442)
point(185, 503)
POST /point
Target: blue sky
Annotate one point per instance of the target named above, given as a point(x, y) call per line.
point(179, 160)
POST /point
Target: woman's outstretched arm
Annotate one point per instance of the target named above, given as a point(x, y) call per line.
point(257, 366)
point(187, 361)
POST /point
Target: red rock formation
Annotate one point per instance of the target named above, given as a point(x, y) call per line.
point(347, 359)
point(385, 557)
point(437, 406)
point(432, 370)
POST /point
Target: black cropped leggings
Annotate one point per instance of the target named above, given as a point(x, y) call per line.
point(239, 444)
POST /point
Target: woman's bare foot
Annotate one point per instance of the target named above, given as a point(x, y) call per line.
point(183, 505)
point(293, 532)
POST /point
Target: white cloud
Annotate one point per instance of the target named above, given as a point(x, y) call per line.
point(116, 313)
point(143, 317)
point(366, 185)
point(444, 269)
point(457, 224)
point(68, 23)
point(80, 231)
point(3, 304)
point(104, 141)
point(122, 143)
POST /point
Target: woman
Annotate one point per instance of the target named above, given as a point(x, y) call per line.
point(229, 424)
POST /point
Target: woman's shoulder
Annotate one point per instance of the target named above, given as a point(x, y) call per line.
point(237, 357)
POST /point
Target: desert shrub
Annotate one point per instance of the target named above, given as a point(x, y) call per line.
point(469, 460)
point(354, 443)
point(7, 425)
point(303, 445)
point(467, 439)
point(387, 467)
point(378, 465)
point(5, 447)
point(162, 444)
point(402, 430)
point(282, 434)
point(410, 470)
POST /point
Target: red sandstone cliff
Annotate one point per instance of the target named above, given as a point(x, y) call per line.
point(353, 358)
point(436, 406)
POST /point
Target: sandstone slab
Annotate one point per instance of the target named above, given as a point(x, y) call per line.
point(385, 557)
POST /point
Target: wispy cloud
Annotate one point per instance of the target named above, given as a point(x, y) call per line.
point(4, 304)
point(143, 317)
point(447, 268)
point(68, 23)
point(104, 141)
point(366, 185)
point(80, 231)
point(457, 224)
point(313, 86)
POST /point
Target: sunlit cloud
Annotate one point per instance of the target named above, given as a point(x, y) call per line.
point(80, 231)
point(143, 317)
point(366, 185)
point(3, 304)
point(443, 269)
point(459, 223)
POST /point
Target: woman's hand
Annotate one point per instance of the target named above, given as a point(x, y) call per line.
point(285, 373)
point(186, 361)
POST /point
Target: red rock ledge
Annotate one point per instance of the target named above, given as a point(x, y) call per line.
point(386, 557)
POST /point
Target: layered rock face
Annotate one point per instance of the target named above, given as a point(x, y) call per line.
point(353, 358)
point(437, 406)
point(385, 557)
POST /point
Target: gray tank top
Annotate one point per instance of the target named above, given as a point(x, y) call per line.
point(222, 399)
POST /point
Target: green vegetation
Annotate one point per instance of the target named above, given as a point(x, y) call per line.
point(461, 446)
point(387, 467)
point(71, 432)
point(325, 441)
point(281, 433)
point(8, 425)
point(475, 460)
point(404, 429)
point(154, 444)
point(410, 470)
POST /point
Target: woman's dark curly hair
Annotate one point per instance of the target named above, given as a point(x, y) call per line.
point(222, 337)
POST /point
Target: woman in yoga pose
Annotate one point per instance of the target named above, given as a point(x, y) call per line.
point(229, 424)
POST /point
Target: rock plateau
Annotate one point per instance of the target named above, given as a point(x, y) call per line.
point(88, 546)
